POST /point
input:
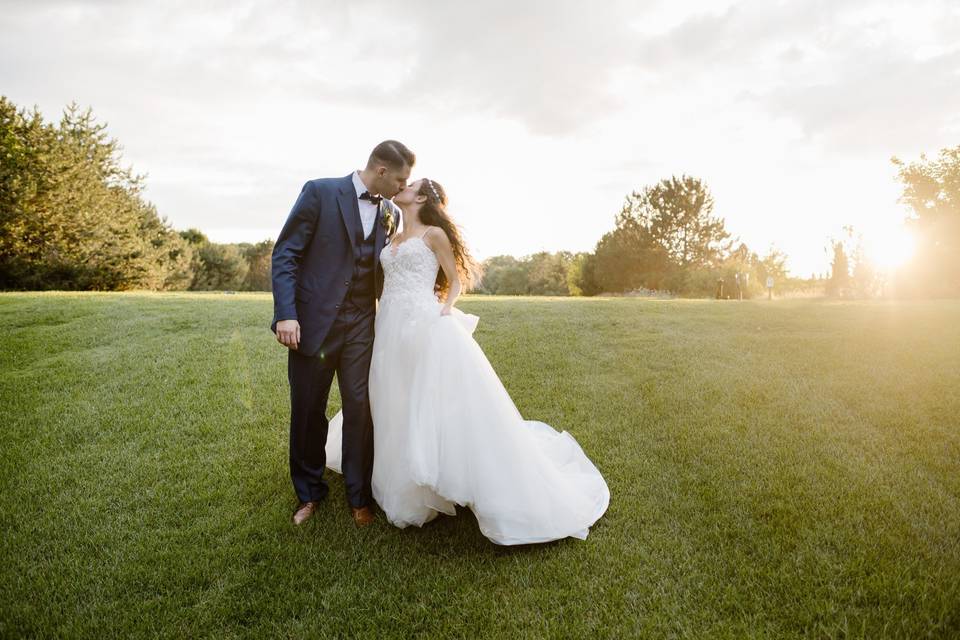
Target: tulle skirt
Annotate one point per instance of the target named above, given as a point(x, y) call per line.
point(446, 432)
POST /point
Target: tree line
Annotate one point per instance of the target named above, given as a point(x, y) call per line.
point(73, 217)
point(666, 239)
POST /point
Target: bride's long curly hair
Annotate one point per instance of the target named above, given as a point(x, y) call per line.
point(434, 212)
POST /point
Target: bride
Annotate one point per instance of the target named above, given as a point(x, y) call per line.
point(445, 429)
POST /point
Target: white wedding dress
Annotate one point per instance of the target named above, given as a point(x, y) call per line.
point(446, 430)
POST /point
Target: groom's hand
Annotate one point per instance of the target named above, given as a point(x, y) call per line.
point(288, 333)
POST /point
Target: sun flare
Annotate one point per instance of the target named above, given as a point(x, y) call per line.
point(889, 249)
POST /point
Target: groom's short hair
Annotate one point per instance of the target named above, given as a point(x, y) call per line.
point(393, 154)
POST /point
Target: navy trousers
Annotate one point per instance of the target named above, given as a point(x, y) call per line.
point(345, 351)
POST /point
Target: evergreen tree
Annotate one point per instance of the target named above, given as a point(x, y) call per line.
point(72, 216)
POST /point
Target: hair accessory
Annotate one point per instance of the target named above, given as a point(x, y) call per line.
point(430, 184)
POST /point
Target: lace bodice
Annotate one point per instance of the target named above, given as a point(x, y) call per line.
point(410, 273)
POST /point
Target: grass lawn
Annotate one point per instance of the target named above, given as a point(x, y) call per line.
point(784, 469)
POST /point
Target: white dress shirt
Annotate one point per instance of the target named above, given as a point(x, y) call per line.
point(368, 210)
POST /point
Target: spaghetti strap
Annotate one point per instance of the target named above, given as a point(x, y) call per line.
point(425, 232)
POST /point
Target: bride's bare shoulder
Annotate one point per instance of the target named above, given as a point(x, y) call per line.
point(435, 237)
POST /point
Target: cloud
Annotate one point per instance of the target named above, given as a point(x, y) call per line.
point(856, 75)
point(546, 64)
point(230, 106)
point(877, 102)
point(556, 66)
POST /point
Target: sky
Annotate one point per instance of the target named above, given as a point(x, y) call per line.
point(537, 117)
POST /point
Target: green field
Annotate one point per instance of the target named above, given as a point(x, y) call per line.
point(784, 469)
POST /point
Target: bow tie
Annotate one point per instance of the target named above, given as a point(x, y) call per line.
point(373, 199)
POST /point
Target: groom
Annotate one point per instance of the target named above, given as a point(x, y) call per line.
point(326, 279)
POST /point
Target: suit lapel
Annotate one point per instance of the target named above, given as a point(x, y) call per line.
point(349, 209)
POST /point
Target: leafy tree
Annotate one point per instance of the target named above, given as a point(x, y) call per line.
point(773, 264)
point(258, 257)
point(931, 188)
point(678, 215)
point(222, 268)
point(172, 255)
point(542, 273)
point(504, 275)
point(547, 273)
point(628, 258)
point(194, 237)
point(662, 236)
point(583, 275)
point(576, 274)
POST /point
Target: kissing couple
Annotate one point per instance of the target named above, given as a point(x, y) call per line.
point(366, 272)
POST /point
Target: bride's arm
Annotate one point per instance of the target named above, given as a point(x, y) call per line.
point(440, 244)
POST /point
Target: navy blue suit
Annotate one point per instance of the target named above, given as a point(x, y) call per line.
point(327, 275)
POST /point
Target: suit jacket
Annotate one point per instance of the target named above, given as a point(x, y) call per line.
point(313, 257)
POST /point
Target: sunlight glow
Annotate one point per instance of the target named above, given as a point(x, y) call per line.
point(889, 249)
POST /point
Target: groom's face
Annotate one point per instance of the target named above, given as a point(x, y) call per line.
point(391, 181)
point(409, 194)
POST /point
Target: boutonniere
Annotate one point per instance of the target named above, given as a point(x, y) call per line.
point(387, 221)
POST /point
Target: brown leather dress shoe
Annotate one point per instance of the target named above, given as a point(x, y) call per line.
point(304, 511)
point(362, 516)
